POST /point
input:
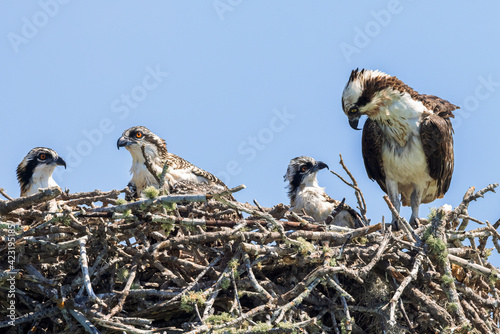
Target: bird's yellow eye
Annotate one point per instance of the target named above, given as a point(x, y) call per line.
point(303, 168)
point(43, 156)
point(138, 135)
point(353, 110)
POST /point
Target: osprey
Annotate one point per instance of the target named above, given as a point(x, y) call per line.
point(305, 194)
point(407, 140)
point(35, 171)
point(155, 148)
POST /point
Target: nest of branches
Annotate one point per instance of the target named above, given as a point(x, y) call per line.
point(88, 262)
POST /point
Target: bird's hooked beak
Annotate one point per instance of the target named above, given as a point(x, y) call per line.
point(353, 122)
point(123, 142)
point(60, 162)
point(318, 166)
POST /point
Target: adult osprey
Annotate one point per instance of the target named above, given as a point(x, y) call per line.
point(305, 194)
point(155, 148)
point(35, 171)
point(407, 140)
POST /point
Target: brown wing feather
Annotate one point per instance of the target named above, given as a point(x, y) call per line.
point(330, 200)
point(371, 142)
point(180, 163)
point(437, 141)
point(356, 217)
point(440, 107)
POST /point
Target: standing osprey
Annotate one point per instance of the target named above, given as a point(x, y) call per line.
point(305, 194)
point(35, 171)
point(407, 140)
point(155, 148)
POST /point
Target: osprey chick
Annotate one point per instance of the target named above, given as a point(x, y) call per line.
point(179, 170)
point(407, 140)
point(35, 171)
point(305, 194)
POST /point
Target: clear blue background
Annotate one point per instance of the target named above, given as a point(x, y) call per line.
point(66, 67)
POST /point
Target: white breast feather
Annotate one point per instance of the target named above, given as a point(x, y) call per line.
point(187, 175)
point(41, 179)
point(312, 200)
point(403, 155)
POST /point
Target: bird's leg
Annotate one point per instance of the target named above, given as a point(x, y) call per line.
point(393, 192)
point(416, 198)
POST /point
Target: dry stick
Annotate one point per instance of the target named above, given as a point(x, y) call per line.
point(141, 204)
point(348, 319)
point(493, 230)
point(85, 272)
point(126, 290)
point(470, 218)
point(333, 237)
point(196, 280)
point(215, 289)
point(161, 183)
point(266, 216)
point(382, 247)
point(412, 276)
point(438, 231)
point(250, 314)
point(23, 202)
point(253, 280)
point(65, 196)
point(359, 194)
point(486, 272)
point(4, 194)
point(474, 317)
point(337, 287)
point(236, 297)
point(122, 327)
point(161, 218)
point(89, 327)
point(412, 236)
point(280, 312)
point(32, 316)
point(468, 197)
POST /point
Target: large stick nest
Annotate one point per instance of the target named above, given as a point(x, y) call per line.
point(87, 262)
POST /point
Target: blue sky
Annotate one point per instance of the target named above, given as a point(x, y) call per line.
point(240, 87)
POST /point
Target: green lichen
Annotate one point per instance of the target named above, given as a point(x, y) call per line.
point(262, 327)
point(143, 207)
point(120, 201)
point(432, 213)
point(427, 233)
point(360, 240)
point(189, 299)
point(493, 276)
point(305, 247)
point(220, 319)
point(438, 248)
point(452, 307)
point(447, 279)
point(487, 253)
point(233, 264)
point(151, 192)
point(344, 324)
point(225, 283)
point(122, 274)
point(169, 207)
point(167, 227)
